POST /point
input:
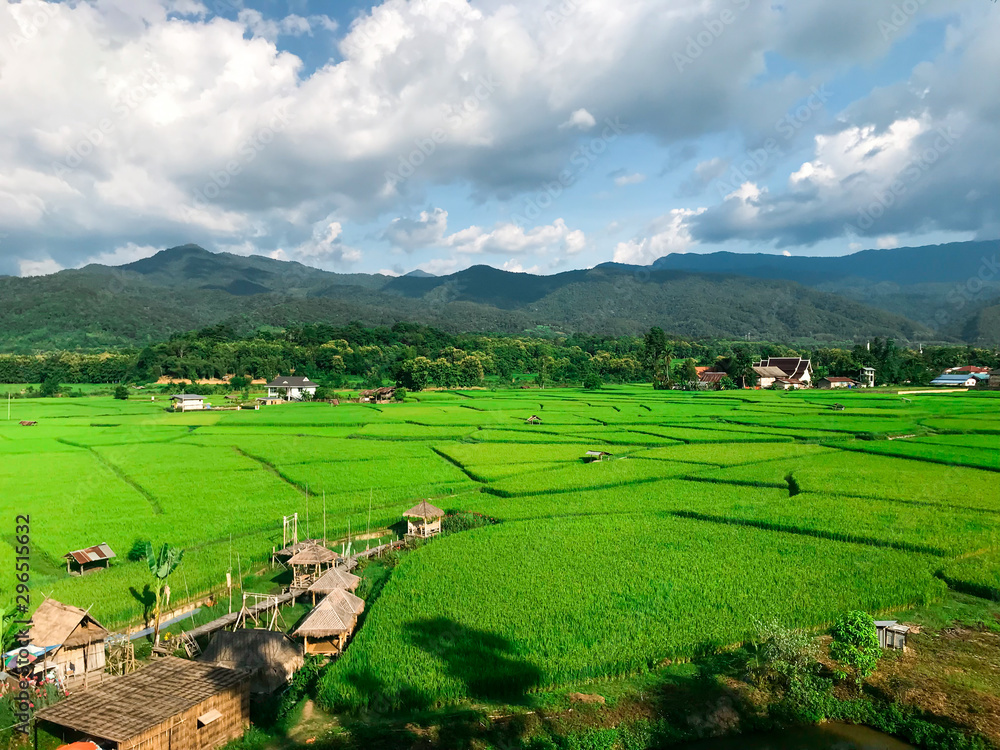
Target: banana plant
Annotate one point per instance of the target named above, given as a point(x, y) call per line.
point(161, 565)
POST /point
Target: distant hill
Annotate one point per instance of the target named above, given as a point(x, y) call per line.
point(187, 287)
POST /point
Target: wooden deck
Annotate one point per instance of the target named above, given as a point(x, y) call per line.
point(257, 609)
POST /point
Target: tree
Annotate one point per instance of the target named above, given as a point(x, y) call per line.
point(592, 381)
point(662, 378)
point(727, 384)
point(50, 387)
point(121, 392)
point(855, 644)
point(240, 383)
point(687, 373)
point(160, 567)
point(654, 346)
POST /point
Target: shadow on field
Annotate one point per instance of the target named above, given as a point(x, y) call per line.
point(146, 598)
point(483, 661)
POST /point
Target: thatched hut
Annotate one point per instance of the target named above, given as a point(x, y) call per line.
point(79, 658)
point(332, 580)
point(269, 657)
point(423, 520)
point(533, 419)
point(309, 563)
point(173, 704)
point(327, 628)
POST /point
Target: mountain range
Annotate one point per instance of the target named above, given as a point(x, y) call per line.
point(940, 293)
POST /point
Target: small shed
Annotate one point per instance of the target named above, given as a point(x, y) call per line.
point(891, 634)
point(172, 704)
point(309, 563)
point(533, 419)
point(27, 423)
point(836, 382)
point(423, 520)
point(332, 580)
point(74, 642)
point(591, 456)
point(328, 627)
point(188, 402)
point(269, 657)
point(378, 395)
point(89, 560)
point(269, 401)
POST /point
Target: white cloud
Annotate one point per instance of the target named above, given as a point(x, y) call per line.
point(128, 253)
point(669, 234)
point(409, 234)
point(38, 267)
point(629, 179)
point(507, 238)
point(581, 119)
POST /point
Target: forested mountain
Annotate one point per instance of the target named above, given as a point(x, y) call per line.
point(185, 288)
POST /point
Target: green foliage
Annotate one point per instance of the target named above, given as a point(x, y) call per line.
point(49, 387)
point(592, 381)
point(855, 644)
point(121, 392)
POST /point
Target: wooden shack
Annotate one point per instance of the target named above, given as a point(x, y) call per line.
point(591, 456)
point(309, 563)
point(89, 560)
point(378, 395)
point(423, 520)
point(533, 419)
point(269, 657)
point(891, 634)
point(328, 627)
point(332, 580)
point(173, 704)
point(74, 641)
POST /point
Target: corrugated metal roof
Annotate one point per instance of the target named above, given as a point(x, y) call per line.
point(92, 554)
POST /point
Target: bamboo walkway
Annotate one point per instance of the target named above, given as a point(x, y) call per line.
point(252, 611)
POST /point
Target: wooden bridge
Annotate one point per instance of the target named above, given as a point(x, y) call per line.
point(252, 612)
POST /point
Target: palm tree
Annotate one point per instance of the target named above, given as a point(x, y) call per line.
point(161, 566)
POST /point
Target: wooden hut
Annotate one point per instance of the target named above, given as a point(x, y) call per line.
point(309, 563)
point(591, 456)
point(269, 657)
point(332, 580)
point(327, 628)
point(423, 520)
point(533, 419)
point(74, 640)
point(89, 560)
point(173, 704)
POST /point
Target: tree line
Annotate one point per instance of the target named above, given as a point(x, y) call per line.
point(417, 356)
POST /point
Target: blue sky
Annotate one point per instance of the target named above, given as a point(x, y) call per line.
point(536, 136)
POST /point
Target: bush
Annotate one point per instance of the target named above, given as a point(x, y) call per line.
point(455, 522)
point(121, 392)
point(855, 644)
point(592, 381)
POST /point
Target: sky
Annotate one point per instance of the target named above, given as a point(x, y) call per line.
point(530, 135)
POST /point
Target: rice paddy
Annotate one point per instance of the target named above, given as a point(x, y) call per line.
point(713, 509)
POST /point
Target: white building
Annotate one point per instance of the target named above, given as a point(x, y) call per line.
point(291, 388)
point(188, 402)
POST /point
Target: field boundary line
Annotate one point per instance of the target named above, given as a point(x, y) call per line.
point(454, 462)
point(120, 473)
point(924, 459)
point(269, 467)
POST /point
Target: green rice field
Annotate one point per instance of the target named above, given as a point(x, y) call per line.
point(714, 509)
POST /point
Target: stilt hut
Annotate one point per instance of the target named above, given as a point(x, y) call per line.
point(423, 520)
point(172, 704)
point(336, 578)
point(89, 560)
point(309, 563)
point(593, 456)
point(271, 658)
point(74, 641)
point(328, 627)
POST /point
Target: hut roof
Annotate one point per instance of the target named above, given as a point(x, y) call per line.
point(597, 454)
point(335, 615)
point(91, 554)
point(272, 657)
point(123, 707)
point(294, 549)
point(425, 511)
point(291, 381)
point(313, 554)
point(58, 624)
point(334, 579)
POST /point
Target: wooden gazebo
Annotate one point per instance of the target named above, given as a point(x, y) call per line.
point(309, 563)
point(327, 628)
point(335, 579)
point(423, 520)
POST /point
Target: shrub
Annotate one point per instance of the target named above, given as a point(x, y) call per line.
point(855, 644)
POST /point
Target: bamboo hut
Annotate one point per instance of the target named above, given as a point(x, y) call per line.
point(309, 563)
point(327, 628)
point(423, 520)
point(173, 704)
point(334, 579)
point(89, 560)
point(533, 419)
point(269, 657)
point(74, 641)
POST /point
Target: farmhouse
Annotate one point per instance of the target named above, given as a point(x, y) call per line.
point(891, 634)
point(957, 380)
point(269, 657)
point(792, 368)
point(309, 563)
point(867, 377)
point(173, 704)
point(89, 560)
point(710, 379)
point(766, 376)
point(330, 623)
point(188, 402)
point(291, 388)
point(835, 382)
point(378, 395)
point(591, 456)
point(74, 640)
point(423, 520)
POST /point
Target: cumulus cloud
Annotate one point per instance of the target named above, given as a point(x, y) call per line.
point(581, 119)
point(409, 234)
point(629, 179)
point(507, 238)
point(668, 234)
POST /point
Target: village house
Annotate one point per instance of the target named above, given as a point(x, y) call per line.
point(89, 560)
point(959, 380)
point(971, 369)
point(837, 382)
point(74, 641)
point(188, 402)
point(867, 377)
point(423, 520)
point(795, 369)
point(172, 704)
point(291, 388)
point(709, 379)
